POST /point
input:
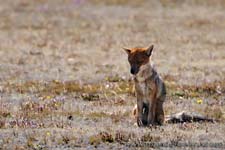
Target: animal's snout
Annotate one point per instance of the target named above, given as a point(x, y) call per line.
point(134, 70)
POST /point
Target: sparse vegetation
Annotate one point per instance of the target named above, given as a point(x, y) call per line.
point(65, 82)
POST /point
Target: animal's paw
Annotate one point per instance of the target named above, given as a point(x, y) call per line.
point(151, 123)
point(139, 122)
point(160, 120)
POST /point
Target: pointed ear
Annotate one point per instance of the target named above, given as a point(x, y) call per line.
point(128, 51)
point(149, 50)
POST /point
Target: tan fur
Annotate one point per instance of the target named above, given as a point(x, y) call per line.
point(150, 89)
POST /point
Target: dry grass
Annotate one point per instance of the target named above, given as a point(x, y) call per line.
point(65, 82)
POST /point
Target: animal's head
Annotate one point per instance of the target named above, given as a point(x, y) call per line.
point(138, 57)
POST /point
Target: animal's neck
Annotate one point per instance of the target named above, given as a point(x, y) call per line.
point(144, 73)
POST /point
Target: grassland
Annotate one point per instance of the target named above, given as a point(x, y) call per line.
point(65, 82)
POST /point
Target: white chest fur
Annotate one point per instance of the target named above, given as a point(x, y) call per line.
point(144, 91)
point(143, 84)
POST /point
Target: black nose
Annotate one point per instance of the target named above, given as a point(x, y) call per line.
point(132, 71)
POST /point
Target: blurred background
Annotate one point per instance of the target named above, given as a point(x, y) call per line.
point(82, 39)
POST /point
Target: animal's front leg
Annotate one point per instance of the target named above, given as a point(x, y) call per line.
point(159, 115)
point(151, 114)
point(139, 112)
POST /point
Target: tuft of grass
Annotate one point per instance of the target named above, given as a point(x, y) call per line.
point(106, 137)
point(101, 137)
point(113, 87)
point(125, 87)
point(179, 93)
point(148, 137)
point(122, 136)
point(4, 114)
point(214, 112)
point(30, 143)
point(115, 78)
point(87, 92)
point(90, 96)
point(97, 115)
point(95, 140)
point(191, 91)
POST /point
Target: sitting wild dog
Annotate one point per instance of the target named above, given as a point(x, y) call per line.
point(150, 89)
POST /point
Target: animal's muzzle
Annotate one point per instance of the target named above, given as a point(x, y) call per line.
point(134, 70)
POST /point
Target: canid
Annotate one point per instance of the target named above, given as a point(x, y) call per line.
point(150, 89)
